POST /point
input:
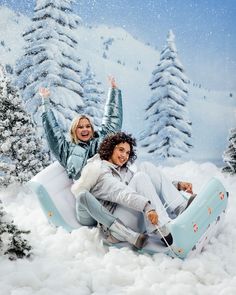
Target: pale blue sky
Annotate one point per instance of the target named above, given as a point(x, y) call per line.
point(204, 30)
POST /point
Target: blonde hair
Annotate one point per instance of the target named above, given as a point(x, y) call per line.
point(74, 126)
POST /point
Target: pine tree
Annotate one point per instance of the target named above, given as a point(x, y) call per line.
point(12, 241)
point(229, 156)
point(169, 131)
point(93, 97)
point(20, 151)
point(51, 60)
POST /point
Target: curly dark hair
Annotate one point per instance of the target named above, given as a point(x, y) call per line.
point(109, 143)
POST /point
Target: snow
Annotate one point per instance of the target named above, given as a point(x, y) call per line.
point(132, 63)
point(77, 263)
point(12, 25)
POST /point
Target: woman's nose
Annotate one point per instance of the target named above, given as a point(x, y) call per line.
point(124, 154)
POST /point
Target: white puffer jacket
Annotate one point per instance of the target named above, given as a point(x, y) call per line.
point(109, 183)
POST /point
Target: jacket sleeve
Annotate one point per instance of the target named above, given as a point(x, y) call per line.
point(117, 192)
point(113, 113)
point(55, 137)
point(88, 178)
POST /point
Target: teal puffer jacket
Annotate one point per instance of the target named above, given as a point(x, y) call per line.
point(73, 157)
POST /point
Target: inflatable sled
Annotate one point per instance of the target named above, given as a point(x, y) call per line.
point(191, 230)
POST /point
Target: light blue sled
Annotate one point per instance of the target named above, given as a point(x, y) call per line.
point(191, 230)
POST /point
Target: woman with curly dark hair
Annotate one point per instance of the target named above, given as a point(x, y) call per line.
point(108, 178)
point(110, 144)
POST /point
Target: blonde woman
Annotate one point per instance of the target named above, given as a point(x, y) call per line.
point(85, 140)
point(73, 155)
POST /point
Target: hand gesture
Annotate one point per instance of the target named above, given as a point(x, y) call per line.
point(185, 186)
point(44, 92)
point(112, 81)
point(153, 217)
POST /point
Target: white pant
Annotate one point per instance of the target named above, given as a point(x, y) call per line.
point(151, 183)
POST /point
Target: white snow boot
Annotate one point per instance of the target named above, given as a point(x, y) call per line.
point(123, 233)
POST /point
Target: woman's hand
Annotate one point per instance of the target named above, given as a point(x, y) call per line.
point(153, 217)
point(112, 81)
point(185, 186)
point(44, 92)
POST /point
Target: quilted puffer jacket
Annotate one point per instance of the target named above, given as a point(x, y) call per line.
point(109, 183)
point(71, 156)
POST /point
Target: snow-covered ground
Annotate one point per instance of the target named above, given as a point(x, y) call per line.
point(77, 263)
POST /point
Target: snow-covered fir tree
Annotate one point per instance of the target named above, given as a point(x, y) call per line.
point(93, 96)
point(51, 59)
point(229, 155)
point(12, 241)
point(169, 129)
point(21, 156)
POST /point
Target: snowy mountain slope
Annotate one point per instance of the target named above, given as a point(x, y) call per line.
point(114, 51)
point(129, 60)
point(213, 113)
point(11, 27)
point(118, 46)
point(208, 109)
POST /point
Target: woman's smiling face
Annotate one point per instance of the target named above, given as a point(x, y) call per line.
point(84, 131)
point(120, 154)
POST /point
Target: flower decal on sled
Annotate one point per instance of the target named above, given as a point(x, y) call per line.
point(50, 213)
point(209, 209)
point(180, 250)
point(221, 195)
point(195, 227)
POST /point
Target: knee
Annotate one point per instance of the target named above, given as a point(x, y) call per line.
point(82, 197)
point(142, 166)
point(141, 175)
point(146, 166)
point(150, 169)
point(139, 179)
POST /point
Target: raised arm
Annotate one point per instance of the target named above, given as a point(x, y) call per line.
point(113, 113)
point(55, 137)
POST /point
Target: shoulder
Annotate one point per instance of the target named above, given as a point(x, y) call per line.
point(89, 176)
point(106, 166)
point(94, 164)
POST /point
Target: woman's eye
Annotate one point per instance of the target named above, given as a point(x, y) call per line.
point(87, 126)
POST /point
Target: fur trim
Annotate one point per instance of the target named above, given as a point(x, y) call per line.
point(88, 178)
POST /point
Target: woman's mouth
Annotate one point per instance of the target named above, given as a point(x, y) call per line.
point(121, 160)
point(84, 133)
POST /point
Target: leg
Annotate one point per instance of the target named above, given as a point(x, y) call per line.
point(163, 186)
point(89, 210)
point(142, 184)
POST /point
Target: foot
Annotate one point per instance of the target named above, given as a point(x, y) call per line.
point(167, 235)
point(141, 241)
point(112, 240)
point(168, 240)
point(164, 233)
point(139, 244)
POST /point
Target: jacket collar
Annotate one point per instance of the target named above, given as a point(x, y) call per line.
point(115, 168)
